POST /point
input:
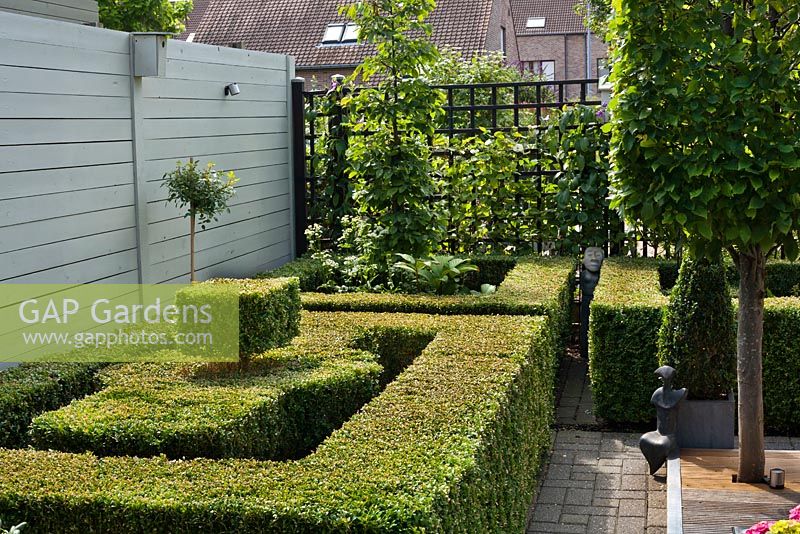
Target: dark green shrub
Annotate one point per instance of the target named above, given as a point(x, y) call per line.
point(491, 270)
point(32, 388)
point(452, 445)
point(782, 365)
point(697, 336)
point(309, 271)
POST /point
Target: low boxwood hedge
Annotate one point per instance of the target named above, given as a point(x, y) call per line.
point(451, 445)
point(626, 315)
point(32, 388)
point(279, 405)
point(535, 286)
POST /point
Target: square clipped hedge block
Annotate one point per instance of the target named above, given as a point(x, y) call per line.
point(453, 444)
point(269, 309)
point(623, 330)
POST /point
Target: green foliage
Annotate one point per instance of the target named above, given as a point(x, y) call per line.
point(625, 318)
point(32, 388)
point(390, 167)
point(309, 272)
point(204, 192)
point(580, 146)
point(627, 313)
point(781, 365)
point(438, 274)
point(704, 136)
point(489, 67)
point(485, 167)
point(697, 336)
point(269, 310)
point(452, 445)
point(144, 15)
point(596, 15)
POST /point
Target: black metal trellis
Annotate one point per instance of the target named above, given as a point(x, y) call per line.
point(469, 109)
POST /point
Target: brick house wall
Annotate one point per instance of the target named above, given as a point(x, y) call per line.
point(321, 78)
point(568, 52)
point(501, 18)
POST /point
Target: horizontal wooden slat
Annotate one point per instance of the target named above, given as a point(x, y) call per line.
point(266, 177)
point(84, 272)
point(45, 182)
point(177, 109)
point(160, 210)
point(60, 57)
point(154, 170)
point(67, 12)
point(204, 53)
point(204, 127)
point(44, 106)
point(28, 80)
point(48, 131)
point(184, 147)
point(28, 209)
point(248, 236)
point(162, 231)
point(37, 30)
point(33, 157)
point(69, 227)
point(194, 70)
point(19, 263)
point(154, 88)
point(237, 266)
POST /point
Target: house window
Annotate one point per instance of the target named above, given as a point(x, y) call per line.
point(340, 33)
point(503, 40)
point(545, 69)
point(535, 22)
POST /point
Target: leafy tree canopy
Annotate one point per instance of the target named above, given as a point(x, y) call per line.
point(144, 15)
point(705, 129)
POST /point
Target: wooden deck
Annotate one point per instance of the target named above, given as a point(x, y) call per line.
point(712, 503)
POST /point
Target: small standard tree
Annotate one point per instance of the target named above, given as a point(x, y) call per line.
point(204, 192)
point(706, 137)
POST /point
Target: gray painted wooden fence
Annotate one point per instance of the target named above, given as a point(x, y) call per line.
point(84, 146)
point(76, 11)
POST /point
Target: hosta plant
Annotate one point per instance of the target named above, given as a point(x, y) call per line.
point(438, 274)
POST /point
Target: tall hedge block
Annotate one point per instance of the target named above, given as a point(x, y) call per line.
point(782, 365)
point(269, 309)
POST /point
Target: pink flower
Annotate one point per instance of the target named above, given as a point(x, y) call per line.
point(760, 528)
point(794, 513)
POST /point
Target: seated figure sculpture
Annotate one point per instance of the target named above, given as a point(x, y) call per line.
point(660, 443)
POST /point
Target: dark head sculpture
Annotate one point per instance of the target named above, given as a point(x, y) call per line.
point(666, 374)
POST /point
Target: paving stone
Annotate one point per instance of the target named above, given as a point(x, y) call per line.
point(549, 495)
point(605, 503)
point(633, 482)
point(608, 482)
point(656, 517)
point(656, 530)
point(590, 510)
point(599, 524)
point(632, 508)
point(548, 513)
point(552, 528)
point(579, 484)
point(582, 475)
point(578, 496)
point(559, 471)
point(630, 525)
point(634, 466)
point(577, 519)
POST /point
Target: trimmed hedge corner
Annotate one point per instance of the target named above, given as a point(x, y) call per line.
point(451, 445)
point(32, 388)
point(627, 313)
point(269, 309)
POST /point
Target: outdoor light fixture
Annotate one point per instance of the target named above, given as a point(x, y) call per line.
point(232, 89)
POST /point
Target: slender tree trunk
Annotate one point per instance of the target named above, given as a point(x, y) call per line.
point(748, 362)
point(191, 247)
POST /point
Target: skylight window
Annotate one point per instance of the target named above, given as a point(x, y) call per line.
point(535, 22)
point(333, 34)
point(340, 33)
point(350, 33)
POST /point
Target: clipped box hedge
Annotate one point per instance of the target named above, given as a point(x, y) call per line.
point(279, 406)
point(32, 388)
point(451, 445)
point(626, 315)
point(269, 309)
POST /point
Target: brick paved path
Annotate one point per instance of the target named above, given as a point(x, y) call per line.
point(597, 482)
